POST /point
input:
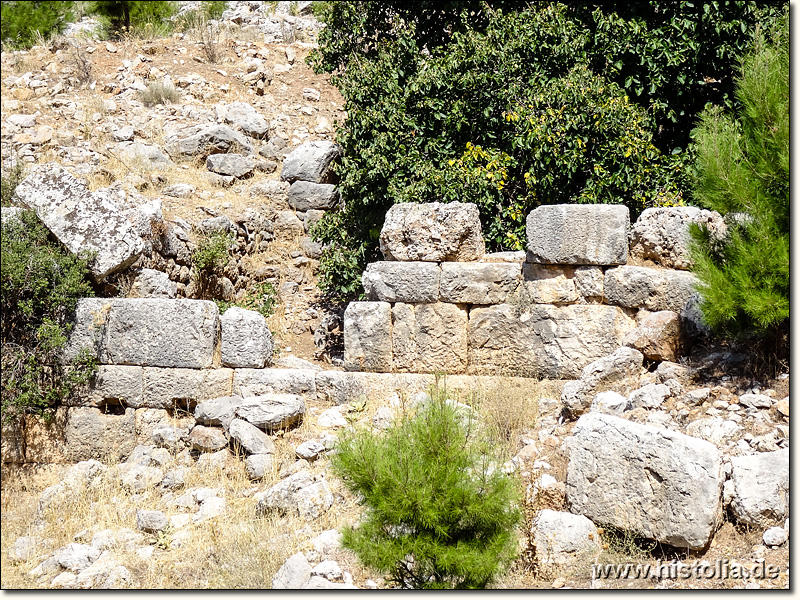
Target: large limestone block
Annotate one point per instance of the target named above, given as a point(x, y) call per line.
point(578, 234)
point(91, 434)
point(83, 221)
point(158, 332)
point(368, 336)
point(547, 284)
point(234, 165)
point(542, 340)
point(253, 382)
point(655, 482)
point(652, 289)
point(272, 411)
point(391, 281)
point(478, 283)
point(112, 384)
point(246, 341)
point(758, 489)
point(311, 161)
point(171, 388)
point(619, 372)
point(39, 440)
point(429, 338)
point(246, 118)
point(662, 234)
point(306, 195)
point(433, 232)
point(203, 140)
point(564, 541)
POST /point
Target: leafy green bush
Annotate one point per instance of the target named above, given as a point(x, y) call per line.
point(210, 257)
point(261, 297)
point(743, 169)
point(40, 287)
point(132, 16)
point(9, 181)
point(22, 21)
point(213, 8)
point(440, 513)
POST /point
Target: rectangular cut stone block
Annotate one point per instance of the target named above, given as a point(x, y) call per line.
point(341, 387)
point(113, 383)
point(217, 383)
point(166, 388)
point(88, 330)
point(759, 488)
point(38, 441)
point(368, 337)
point(392, 281)
point(155, 332)
point(543, 340)
point(653, 289)
point(478, 283)
point(81, 220)
point(589, 282)
point(245, 339)
point(578, 234)
point(429, 338)
point(257, 382)
point(654, 482)
point(547, 284)
point(91, 434)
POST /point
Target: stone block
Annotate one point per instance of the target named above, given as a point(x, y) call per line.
point(203, 140)
point(618, 371)
point(245, 341)
point(170, 388)
point(564, 541)
point(254, 382)
point(233, 165)
point(311, 161)
point(391, 281)
point(758, 489)
point(655, 482)
point(429, 338)
point(478, 283)
point(272, 411)
point(652, 289)
point(113, 384)
point(657, 336)
point(368, 336)
point(547, 284)
point(306, 195)
point(589, 282)
point(91, 434)
point(578, 234)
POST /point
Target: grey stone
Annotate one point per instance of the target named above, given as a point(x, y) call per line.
point(272, 411)
point(368, 336)
point(246, 118)
point(653, 289)
point(775, 536)
point(76, 557)
point(755, 400)
point(171, 388)
point(715, 430)
point(233, 165)
point(246, 340)
point(542, 340)
point(609, 403)
point(144, 331)
point(220, 224)
point(151, 521)
point(258, 466)
point(209, 139)
point(619, 371)
point(124, 134)
point(651, 395)
point(88, 330)
point(175, 478)
point(759, 488)
point(564, 541)
point(254, 382)
point(301, 494)
point(429, 338)
point(328, 569)
point(207, 439)
point(578, 234)
point(91, 434)
point(331, 419)
point(401, 281)
point(655, 482)
point(293, 573)
point(149, 156)
point(662, 234)
point(137, 478)
point(477, 283)
point(658, 335)
point(433, 232)
point(83, 221)
point(120, 385)
point(320, 583)
point(179, 190)
point(153, 284)
point(306, 195)
point(547, 284)
point(310, 450)
point(250, 437)
point(276, 191)
point(589, 281)
point(311, 161)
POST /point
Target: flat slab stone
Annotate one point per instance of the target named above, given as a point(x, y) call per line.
point(429, 338)
point(253, 382)
point(83, 221)
point(392, 281)
point(368, 336)
point(478, 283)
point(655, 482)
point(306, 195)
point(653, 289)
point(578, 234)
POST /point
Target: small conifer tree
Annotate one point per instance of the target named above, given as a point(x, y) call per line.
point(440, 512)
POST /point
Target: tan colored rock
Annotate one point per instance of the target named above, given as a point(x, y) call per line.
point(429, 338)
point(547, 284)
point(783, 406)
point(658, 336)
point(368, 336)
point(91, 434)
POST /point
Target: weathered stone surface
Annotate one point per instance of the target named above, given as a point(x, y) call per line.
point(391, 281)
point(39, 440)
point(775, 536)
point(655, 482)
point(258, 466)
point(83, 221)
point(651, 395)
point(250, 437)
point(246, 341)
point(589, 282)
point(547, 284)
point(662, 234)
point(254, 382)
point(76, 557)
point(145, 331)
point(217, 411)
point(610, 403)
point(310, 450)
point(209, 139)
point(246, 118)
point(619, 371)
point(207, 439)
point(235, 165)
point(306, 195)
point(578, 234)
point(88, 331)
point(148, 156)
point(170, 388)
point(653, 289)
point(541, 340)
point(368, 336)
point(477, 283)
point(758, 489)
point(331, 419)
point(151, 521)
point(433, 232)
point(429, 338)
point(755, 401)
point(657, 336)
point(716, 430)
point(150, 283)
point(295, 572)
point(272, 411)
point(91, 434)
point(156, 426)
point(311, 161)
point(302, 494)
point(564, 541)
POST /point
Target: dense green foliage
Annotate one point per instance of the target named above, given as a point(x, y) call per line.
point(743, 168)
point(493, 103)
point(440, 513)
point(21, 21)
point(210, 257)
point(127, 15)
point(40, 287)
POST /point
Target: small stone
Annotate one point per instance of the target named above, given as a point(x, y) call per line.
point(775, 536)
point(151, 521)
point(783, 406)
point(559, 583)
point(310, 450)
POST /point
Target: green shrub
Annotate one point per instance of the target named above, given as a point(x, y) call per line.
point(158, 92)
point(743, 167)
point(213, 9)
point(9, 181)
point(261, 297)
point(440, 512)
point(22, 22)
point(40, 287)
point(210, 257)
point(135, 17)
